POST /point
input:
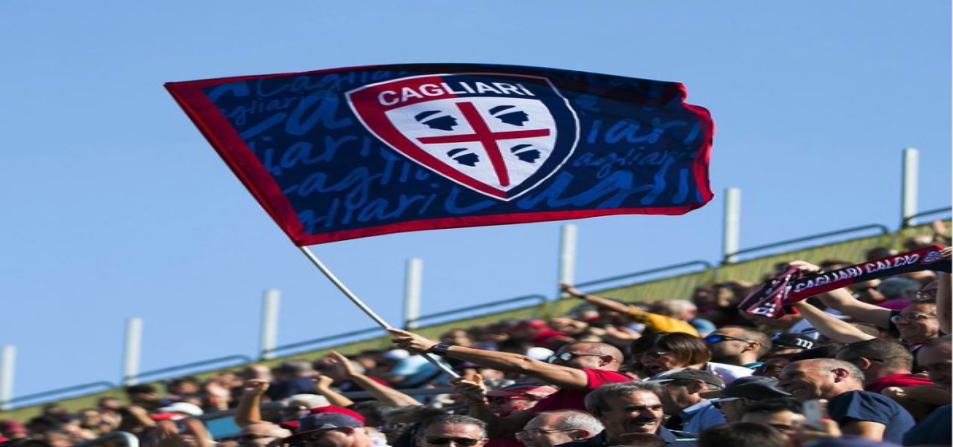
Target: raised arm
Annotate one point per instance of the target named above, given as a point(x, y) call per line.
point(829, 326)
point(247, 412)
point(387, 395)
point(595, 300)
point(842, 301)
point(562, 376)
point(474, 393)
point(323, 386)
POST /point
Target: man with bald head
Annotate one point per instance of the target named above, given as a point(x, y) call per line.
point(858, 412)
point(576, 368)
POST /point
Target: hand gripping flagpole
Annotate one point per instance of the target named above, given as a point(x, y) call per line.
point(360, 304)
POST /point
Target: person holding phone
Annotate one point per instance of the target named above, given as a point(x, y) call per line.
point(856, 411)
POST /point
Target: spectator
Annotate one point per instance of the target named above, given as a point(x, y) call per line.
point(261, 434)
point(145, 396)
point(12, 429)
point(256, 372)
point(664, 319)
point(331, 427)
point(576, 368)
point(552, 428)
point(857, 412)
point(292, 377)
point(688, 411)
point(790, 343)
point(517, 397)
point(917, 323)
point(657, 353)
point(772, 365)
point(782, 414)
point(462, 431)
point(738, 345)
point(883, 363)
point(625, 408)
point(742, 392)
point(936, 428)
point(400, 424)
point(742, 434)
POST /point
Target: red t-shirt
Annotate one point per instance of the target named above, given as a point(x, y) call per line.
point(901, 380)
point(566, 399)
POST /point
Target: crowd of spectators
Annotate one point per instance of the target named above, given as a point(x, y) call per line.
point(860, 366)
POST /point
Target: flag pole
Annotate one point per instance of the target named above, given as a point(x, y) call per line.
point(360, 304)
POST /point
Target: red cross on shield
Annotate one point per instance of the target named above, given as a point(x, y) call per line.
point(497, 134)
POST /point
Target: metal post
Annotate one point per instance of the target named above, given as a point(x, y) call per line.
point(132, 351)
point(732, 224)
point(567, 256)
point(908, 200)
point(412, 292)
point(7, 365)
point(269, 323)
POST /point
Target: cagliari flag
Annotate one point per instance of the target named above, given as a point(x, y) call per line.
point(354, 152)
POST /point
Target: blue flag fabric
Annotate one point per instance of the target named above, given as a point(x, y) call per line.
point(354, 152)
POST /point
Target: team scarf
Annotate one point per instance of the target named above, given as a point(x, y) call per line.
point(774, 297)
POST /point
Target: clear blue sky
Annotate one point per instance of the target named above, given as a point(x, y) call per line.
point(114, 206)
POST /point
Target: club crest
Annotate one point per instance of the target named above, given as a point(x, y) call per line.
point(498, 134)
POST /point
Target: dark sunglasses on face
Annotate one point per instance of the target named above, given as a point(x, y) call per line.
point(567, 356)
point(718, 338)
point(465, 442)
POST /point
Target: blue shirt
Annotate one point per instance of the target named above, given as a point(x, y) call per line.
point(701, 416)
point(933, 429)
point(871, 407)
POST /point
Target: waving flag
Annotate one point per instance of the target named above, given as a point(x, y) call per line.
point(774, 297)
point(354, 152)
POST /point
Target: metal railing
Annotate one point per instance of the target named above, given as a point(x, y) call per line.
point(539, 299)
point(312, 344)
point(315, 341)
point(705, 264)
point(242, 359)
point(883, 230)
point(58, 392)
point(907, 220)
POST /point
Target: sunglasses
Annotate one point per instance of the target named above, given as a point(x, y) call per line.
point(567, 356)
point(718, 338)
point(910, 316)
point(465, 442)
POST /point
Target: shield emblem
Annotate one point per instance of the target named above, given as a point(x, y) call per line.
point(497, 134)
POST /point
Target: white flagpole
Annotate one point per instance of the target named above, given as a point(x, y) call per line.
point(360, 304)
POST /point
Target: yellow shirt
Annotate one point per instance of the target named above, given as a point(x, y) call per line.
point(660, 323)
